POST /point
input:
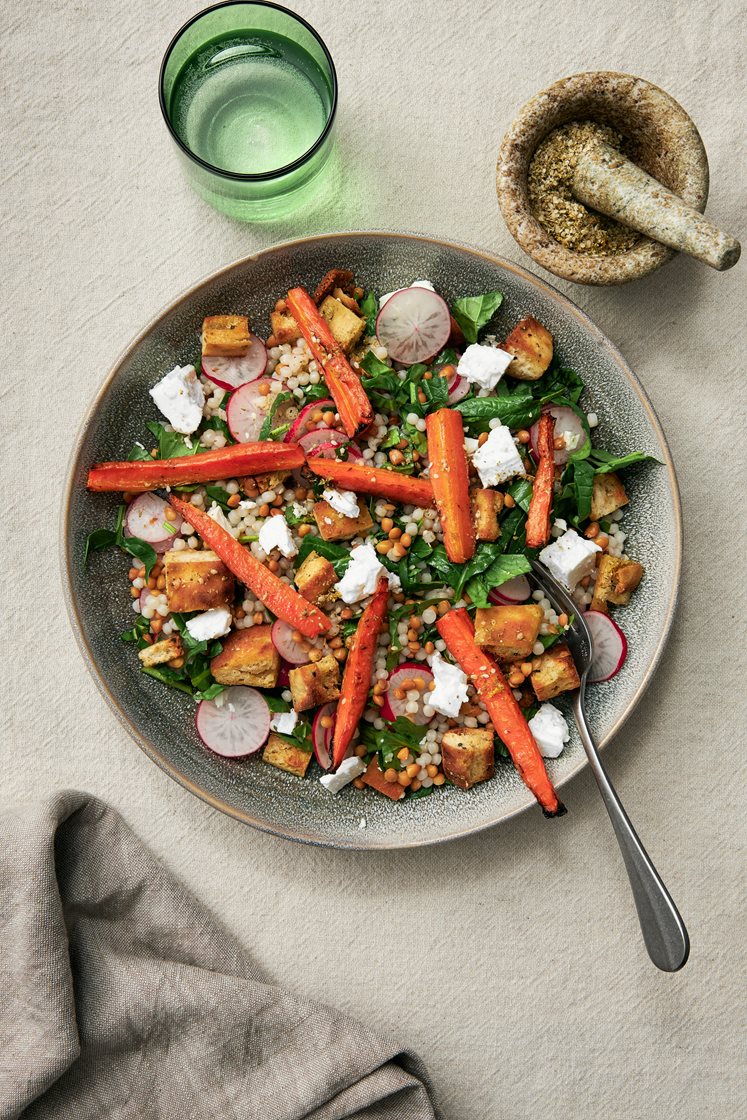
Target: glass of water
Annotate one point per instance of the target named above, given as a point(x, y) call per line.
point(248, 91)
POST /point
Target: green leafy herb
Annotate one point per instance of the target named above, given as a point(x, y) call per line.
point(559, 383)
point(521, 492)
point(197, 657)
point(516, 408)
point(270, 430)
point(138, 632)
point(503, 568)
point(473, 312)
point(105, 538)
point(172, 445)
point(457, 575)
point(219, 495)
point(138, 453)
point(604, 461)
point(396, 735)
point(293, 518)
point(170, 677)
point(370, 308)
point(338, 556)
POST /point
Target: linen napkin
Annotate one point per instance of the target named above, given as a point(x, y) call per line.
point(121, 996)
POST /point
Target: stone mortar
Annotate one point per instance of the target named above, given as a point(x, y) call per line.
point(669, 148)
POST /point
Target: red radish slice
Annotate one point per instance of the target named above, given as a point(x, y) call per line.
point(567, 423)
point(516, 590)
point(300, 425)
point(296, 653)
point(609, 646)
point(247, 411)
point(413, 325)
point(146, 519)
point(323, 441)
point(237, 725)
point(393, 706)
point(458, 389)
point(321, 737)
point(229, 373)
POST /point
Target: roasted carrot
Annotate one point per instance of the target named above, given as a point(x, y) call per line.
point(277, 596)
point(376, 780)
point(508, 719)
point(356, 679)
point(343, 382)
point(374, 480)
point(449, 477)
point(540, 504)
point(206, 466)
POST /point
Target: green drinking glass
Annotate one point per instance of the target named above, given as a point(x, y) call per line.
point(248, 91)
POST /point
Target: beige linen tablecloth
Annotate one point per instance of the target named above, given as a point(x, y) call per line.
point(511, 962)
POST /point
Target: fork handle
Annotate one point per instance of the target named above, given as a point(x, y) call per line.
point(662, 927)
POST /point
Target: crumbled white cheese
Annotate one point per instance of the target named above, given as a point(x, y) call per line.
point(210, 624)
point(451, 687)
point(342, 502)
point(276, 534)
point(362, 574)
point(470, 445)
point(219, 517)
point(180, 397)
point(415, 284)
point(348, 769)
point(395, 583)
point(498, 459)
point(484, 365)
point(569, 558)
point(245, 503)
point(283, 722)
point(550, 730)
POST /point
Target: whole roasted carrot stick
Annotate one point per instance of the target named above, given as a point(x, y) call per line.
point(540, 504)
point(374, 480)
point(279, 597)
point(353, 405)
point(508, 719)
point(205, 466)
point(449, 477)
point(356, 679)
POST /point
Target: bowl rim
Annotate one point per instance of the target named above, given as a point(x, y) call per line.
point(66, 540)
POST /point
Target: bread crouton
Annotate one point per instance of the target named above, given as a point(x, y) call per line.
point(531, 345)
point(468, 756)
point(607, 495)
point(555, 673)
point(284, 328)
point(196, 580)
point(346, 326)
point(225, 334)
point(160, 653)
point(375, 779)
point(335, 278)
point(248, 657)
point(286, 755)
point(486, 506)
point(508, 632)
point(314, 684)
point(334, 526)
point(617, 579)
point(315, 578)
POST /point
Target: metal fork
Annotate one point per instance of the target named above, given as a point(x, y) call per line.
point(661, 925)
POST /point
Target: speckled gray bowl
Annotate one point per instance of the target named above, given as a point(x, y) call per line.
point(161, 721)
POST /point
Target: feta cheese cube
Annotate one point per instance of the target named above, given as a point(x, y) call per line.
point(210, 624)
point(348, 769)
point(284, 722)
point(276, 534)
point(219, 517)
point(342, 502)
point(362, 574)
point(498, 459)
point(550, 730)
point(451, 687)
point(415, 284)
point(569, 558)
point(180, 397)
point(484, 365)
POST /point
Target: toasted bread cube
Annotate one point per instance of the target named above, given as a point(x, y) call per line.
point(375, 779)
point(531, 345)
point(468, 756)
point(314, 684)
point(248, 657)
point(315, 578)
point(160, 653)
point(486, 506)
point(225, 334)
point(607, 495)
point(627, 578)
point(617, 579)
point(334, 526)
point(284, 328)
point(555, 673)
point(286, 755)
point(508, 632)
point(336, 278)
point(196, 580)
point(346, 326)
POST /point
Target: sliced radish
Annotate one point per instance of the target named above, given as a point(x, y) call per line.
point(609, 646)
point(321, 737)
point(146, 519)
point(413, 325)
point(296, 653)
point(516, 590)
point(229, 373)
point(247, 411)
point(567, 424)
point(323, 442)
point(394, 706)
point(300, 425)
point(458, 389)
point(236, 726)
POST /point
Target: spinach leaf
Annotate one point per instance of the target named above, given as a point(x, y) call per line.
point(583, 482)
point(98, 539)
point(398, 734)
point(516, 408)
point(105, 538)
point(219, 495)
point(138, 453)
point(172, 445)
point(374, 366)
point(136, 634)
point(503, 568)
point(604, 461)
point(293, 518)
point(168, 676)
point(315, 392)
point(521, 492)
point(370, 308)
point(338, 556)
point(457, 575)
point(473, 312)
point(268, 429)
point(197, 658)
point(559, 383)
